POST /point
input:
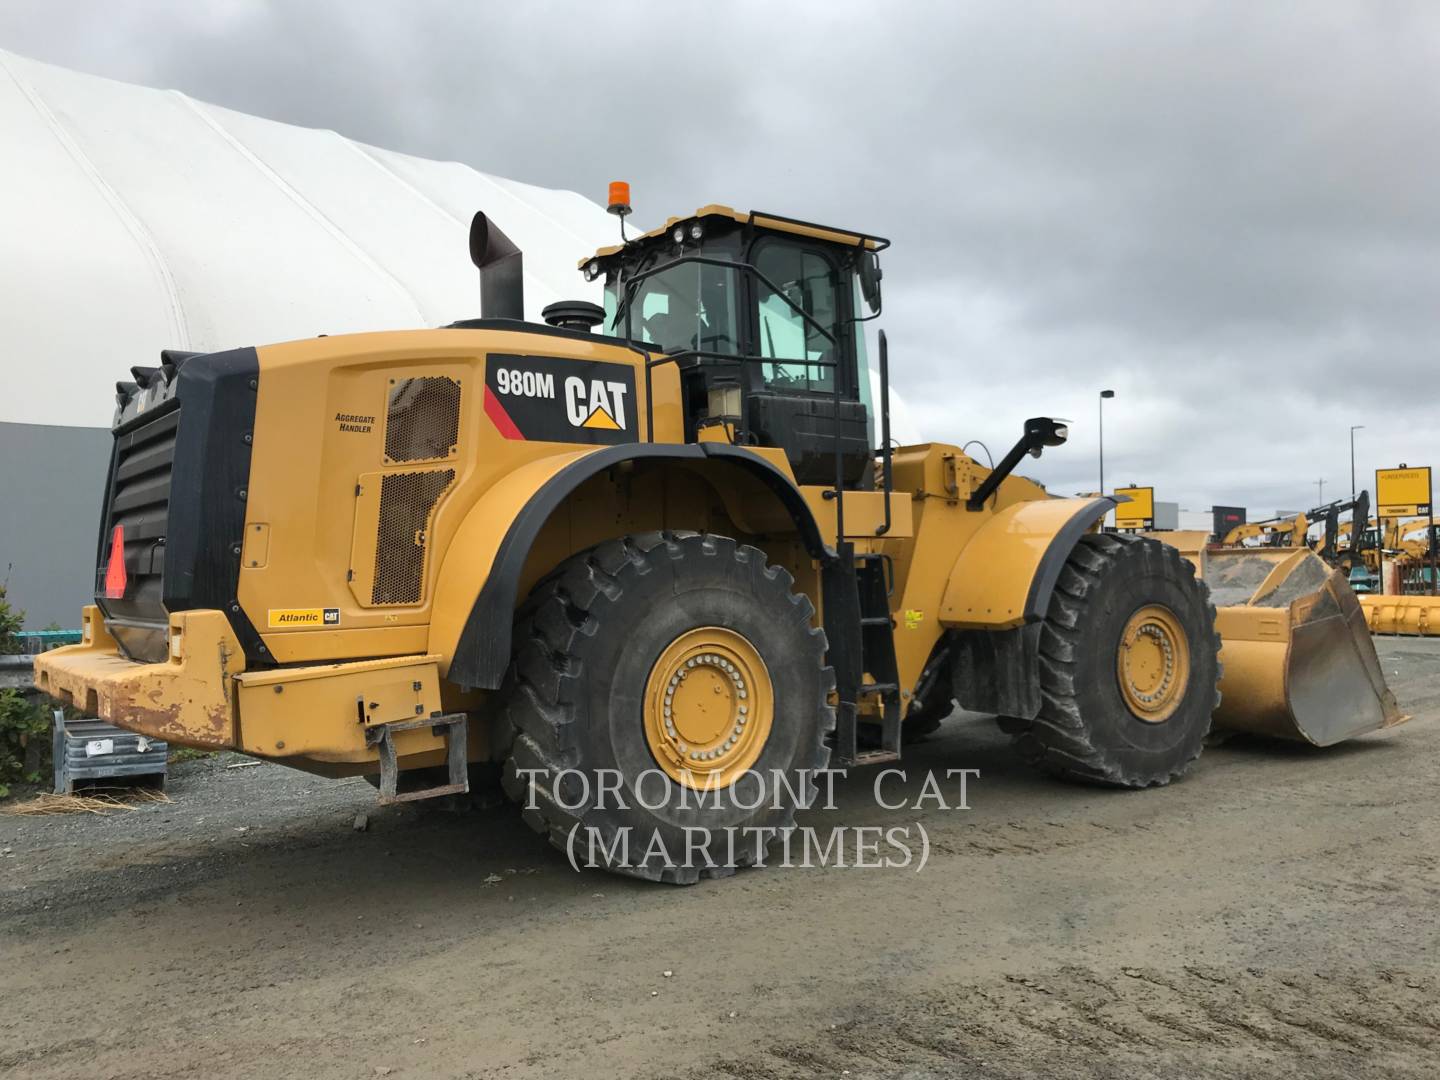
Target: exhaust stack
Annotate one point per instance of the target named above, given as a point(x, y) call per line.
point(502, 285)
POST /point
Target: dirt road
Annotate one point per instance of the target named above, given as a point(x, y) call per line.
point(1274, 912)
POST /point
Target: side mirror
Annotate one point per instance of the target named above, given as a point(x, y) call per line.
point(1041, 431)
point(870, 275)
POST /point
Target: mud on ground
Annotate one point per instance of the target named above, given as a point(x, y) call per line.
point(1271, 915)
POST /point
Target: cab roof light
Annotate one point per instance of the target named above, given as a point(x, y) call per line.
point(619, 200)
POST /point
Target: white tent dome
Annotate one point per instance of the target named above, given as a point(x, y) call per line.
point(137, 219)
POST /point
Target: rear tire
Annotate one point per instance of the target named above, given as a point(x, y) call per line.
point(601, 649)
point(1129, 667)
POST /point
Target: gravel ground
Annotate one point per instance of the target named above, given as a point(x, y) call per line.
point(1271, 915)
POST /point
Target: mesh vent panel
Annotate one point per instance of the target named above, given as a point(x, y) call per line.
point(407, 501)
point(422, 422)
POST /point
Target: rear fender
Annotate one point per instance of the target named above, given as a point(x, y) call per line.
point(479, 581)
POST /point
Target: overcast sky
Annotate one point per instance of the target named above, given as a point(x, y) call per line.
point(1229, 213)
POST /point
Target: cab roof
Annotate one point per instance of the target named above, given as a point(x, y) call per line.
point(773, 222)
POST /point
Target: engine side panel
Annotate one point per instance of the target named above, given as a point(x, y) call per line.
point(370, 450)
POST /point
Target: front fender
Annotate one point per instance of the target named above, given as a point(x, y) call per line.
point(1006, 573)
point(998, 592)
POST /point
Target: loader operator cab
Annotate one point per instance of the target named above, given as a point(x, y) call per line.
point(763, 316)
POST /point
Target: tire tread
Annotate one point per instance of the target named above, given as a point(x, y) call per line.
point(571, 605)
point(1058, 741)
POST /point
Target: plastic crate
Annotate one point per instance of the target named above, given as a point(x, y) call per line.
point(94, 750)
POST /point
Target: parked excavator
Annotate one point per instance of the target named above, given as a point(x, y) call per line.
point(1415, 539)
point(1285, 531)
point(1328, 545)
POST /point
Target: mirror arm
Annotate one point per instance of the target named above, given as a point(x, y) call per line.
point(1039, 432)
point(997, 476)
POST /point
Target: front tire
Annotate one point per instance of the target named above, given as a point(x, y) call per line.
point(670, 661)
point(1129, 667)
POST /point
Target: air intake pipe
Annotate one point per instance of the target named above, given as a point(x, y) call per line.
point(573, 314)
point(502, 284)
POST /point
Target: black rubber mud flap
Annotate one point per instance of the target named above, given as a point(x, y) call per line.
point(1085, 730)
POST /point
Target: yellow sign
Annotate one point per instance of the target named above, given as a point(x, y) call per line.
point(282, 618)
point(1402, 492)
point(1139, 512)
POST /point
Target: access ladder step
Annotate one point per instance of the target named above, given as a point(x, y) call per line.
point(875, 757)
point(452, 727)
point(861, 626)
point(875, 583)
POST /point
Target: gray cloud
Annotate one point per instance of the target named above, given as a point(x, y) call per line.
point(1225, 211)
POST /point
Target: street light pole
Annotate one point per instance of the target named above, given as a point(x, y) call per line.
point(1320, 491)
point(1353, 428)
point(1103, 395)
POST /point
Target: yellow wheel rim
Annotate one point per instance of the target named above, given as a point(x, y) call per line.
point(1153, 663)
point(709, 707)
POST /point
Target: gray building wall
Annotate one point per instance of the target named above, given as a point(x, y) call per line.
point(52, 480)
point(1167, 515)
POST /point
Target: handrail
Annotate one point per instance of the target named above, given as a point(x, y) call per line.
point(880, 242)
point(885, 456)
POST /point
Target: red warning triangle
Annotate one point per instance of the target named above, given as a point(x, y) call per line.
point(115, 576)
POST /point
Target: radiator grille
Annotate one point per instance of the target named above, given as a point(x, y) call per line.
point(407, 502)
point(140, 501)
point(422, 421)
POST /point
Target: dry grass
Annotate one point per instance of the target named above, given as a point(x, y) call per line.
point(94, 801)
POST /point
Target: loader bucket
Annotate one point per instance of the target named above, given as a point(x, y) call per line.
point(1297, 655)
point(1415, 616)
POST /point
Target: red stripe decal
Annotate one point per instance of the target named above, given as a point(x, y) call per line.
point(499, 417)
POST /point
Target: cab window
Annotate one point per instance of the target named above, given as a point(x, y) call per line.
point(690, 306)
point(807, 280)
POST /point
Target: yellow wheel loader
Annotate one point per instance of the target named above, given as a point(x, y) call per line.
point(636, 553)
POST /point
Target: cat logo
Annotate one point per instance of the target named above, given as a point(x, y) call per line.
point(555, 399)
point(601, 406)
point(283, 618)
